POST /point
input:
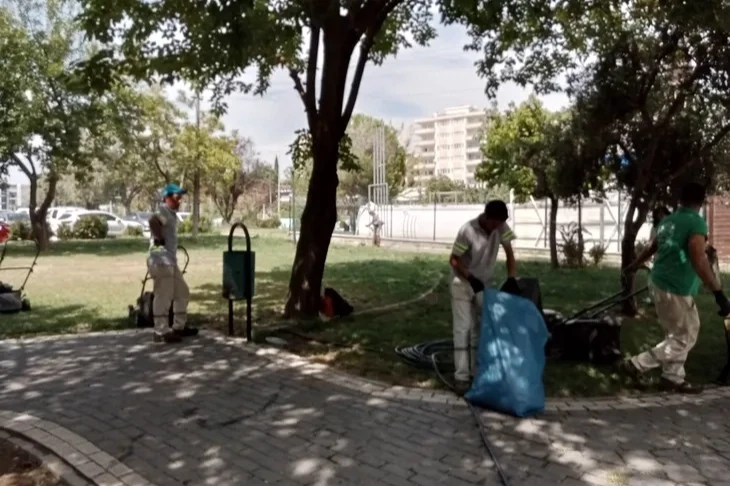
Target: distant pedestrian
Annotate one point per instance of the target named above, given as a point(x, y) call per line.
point(377, 225)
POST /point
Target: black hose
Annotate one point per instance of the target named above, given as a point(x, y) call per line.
point(434, 356)
point(423, 355)
point(430, 355)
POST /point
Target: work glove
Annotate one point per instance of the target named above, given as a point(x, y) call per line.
point(511, 286)
point(723, 303)
point(158, 242)
point(476, 284)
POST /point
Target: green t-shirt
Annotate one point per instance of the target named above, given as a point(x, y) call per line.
point(673, 271)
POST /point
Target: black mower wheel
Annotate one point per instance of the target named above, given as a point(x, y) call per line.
point(25, 305)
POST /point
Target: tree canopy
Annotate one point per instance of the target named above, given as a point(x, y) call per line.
point(214, 44)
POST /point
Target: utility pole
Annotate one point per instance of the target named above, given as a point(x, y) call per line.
point(196, 174)
point(278, 187)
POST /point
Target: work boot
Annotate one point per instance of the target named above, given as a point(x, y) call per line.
point(186, 331)
point(632, 372)
point(684, 387)
point(461, 387)
point(167, 338)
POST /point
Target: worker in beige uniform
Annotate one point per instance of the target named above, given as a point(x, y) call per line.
point(170, 288)
point(680, 266)
point(472, 260)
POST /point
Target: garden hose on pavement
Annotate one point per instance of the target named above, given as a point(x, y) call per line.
point(426, 356)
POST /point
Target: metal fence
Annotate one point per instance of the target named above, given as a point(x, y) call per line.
point(602, 221)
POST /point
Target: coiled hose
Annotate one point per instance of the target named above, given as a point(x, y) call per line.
point(422, 355)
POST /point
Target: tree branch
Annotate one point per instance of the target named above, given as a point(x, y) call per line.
point(369, 22)
point(683, 90)
point(308, 92)
point(669, 47)
point(21, 165)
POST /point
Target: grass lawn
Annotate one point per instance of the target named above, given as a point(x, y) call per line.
point(84, 286)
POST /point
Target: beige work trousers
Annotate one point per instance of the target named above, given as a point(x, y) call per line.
point(678, 317)
point(170, 289)
point(466, 307)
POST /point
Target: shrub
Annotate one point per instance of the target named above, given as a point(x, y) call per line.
point(273, 222)
point(21, 230)
point(205, 225)
point(133, 231)
point(571, 247)
point(597, 253)
point(65, 232)
point(91, 228)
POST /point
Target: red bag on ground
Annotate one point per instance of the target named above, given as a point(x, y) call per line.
point(4, 233)
point(327, 307)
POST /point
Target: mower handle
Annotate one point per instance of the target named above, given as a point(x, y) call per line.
point(187, 257)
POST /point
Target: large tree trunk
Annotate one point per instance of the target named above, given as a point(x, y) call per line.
point(553, 232)
point(315, 233)
point(38, 213)
point(635, 218)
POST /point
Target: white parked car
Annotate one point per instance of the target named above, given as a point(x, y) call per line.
point(55, 214)
point(117, 226)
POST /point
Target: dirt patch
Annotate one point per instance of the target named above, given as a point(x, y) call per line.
point(18, 468)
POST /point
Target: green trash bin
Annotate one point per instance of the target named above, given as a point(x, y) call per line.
point(239, 276)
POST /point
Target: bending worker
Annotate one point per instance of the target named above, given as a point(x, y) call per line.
point(473, 258)
point(680, 264)
point(170, 288)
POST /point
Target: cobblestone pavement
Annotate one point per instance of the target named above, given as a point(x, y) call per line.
point(212, 411)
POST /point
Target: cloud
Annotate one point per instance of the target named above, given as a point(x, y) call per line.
point(417, 83)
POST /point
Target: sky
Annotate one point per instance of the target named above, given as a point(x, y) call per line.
point(419, 82)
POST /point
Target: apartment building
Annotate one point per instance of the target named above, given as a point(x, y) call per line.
point(14, 196)
point(448, 144)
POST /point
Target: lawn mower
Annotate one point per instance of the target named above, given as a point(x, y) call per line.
point(11, 299)
point(142, 315)
point(589, 335)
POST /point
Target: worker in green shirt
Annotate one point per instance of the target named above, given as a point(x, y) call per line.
point(679, 266)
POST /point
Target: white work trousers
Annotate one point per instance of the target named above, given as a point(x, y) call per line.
point(170, 289)
point(678, 317)
point(466, 307)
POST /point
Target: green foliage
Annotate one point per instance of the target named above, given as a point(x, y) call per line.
point(272, 223)
point(134, 231)
point(21, 231)
point(90, 228)
point(65, 232)
point(185, 227)
point(301, 151)
point(597, 254)
point(571, 247)
point(439, 187)
point(519, 150)
point(48, 123)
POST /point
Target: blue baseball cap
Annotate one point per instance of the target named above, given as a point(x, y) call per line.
point(172, 189)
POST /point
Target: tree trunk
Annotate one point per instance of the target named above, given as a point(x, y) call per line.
point(553, 232)
point(635, 218)
point(315, 233)
point(196, 203)
point(581, 240)
point(41, 230)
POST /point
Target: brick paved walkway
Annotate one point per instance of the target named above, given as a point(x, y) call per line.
point(208, 412)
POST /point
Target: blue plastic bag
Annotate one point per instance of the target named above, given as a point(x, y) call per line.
point(511, 357)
